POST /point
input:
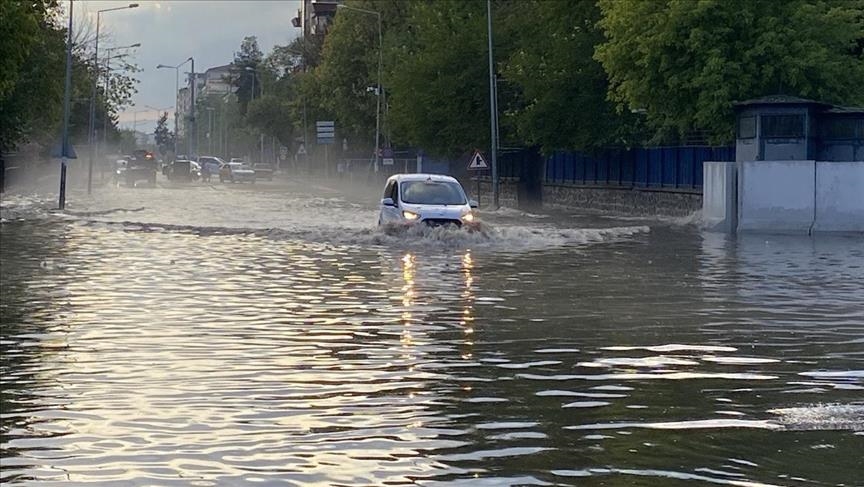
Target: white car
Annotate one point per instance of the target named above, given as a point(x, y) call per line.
point(432, 199)
point(236, 172)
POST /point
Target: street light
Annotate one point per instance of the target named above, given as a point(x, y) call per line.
point(252, 98)
point(380, 62)
point(176, 90)
point(92, 132)
point(108, 59)
point(493, 109)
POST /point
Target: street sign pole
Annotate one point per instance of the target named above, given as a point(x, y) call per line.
point(67, 92)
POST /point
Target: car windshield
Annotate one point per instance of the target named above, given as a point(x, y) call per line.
point(432, 193)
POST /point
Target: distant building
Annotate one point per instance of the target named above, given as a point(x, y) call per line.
point(217, 81)
point(315, 17)
point(184, 103)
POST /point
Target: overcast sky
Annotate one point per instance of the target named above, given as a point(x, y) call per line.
point(171, 31)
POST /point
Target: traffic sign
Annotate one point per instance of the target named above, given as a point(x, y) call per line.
point(301, 151)
point(477, 162)
point(325, 131)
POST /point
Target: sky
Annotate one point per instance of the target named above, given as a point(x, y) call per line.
point(172, 30)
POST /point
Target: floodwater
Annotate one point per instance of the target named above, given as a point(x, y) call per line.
point(271, 335)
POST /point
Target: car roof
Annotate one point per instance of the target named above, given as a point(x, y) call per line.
point(422, 177)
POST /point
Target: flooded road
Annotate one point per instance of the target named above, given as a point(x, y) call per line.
point(271, 335)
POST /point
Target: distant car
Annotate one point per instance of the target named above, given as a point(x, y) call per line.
point(210, 166)
point(263, 170)
point(237, 159)
point(141, 167)
point(430, 199)
point(182, 170)
point(120, 169)
point(236, 172)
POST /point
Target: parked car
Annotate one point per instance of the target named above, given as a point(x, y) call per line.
point(237, 159)
point(236, 172)
point(210, 166)
point(263, 170)
point(120, 170)
point(141, 167)
point(181, 170)
point(430, 199)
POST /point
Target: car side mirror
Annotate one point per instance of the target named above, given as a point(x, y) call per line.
point(473, 204)
point(387, 202)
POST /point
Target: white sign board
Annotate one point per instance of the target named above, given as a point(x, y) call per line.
point(477, 162)
point(301, 151)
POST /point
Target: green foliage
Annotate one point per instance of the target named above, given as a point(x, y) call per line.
point(563, 89)
point(32, 71)
point(348, 72)
point(439, 81)
point(245, 75)
point(164, 137)
point(32, 60)
point(685, 62)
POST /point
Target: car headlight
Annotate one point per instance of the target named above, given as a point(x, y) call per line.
point(468, 217)
point(410, 215)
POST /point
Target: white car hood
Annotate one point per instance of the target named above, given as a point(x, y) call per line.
point(449, 212)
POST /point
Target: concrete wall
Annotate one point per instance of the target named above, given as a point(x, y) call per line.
point(776, 196)
point(624, 201)
point(801, 196)
point(719, 196)
point(508, 192)
point(839, 197)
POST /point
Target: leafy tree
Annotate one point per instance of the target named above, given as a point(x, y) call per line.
point(164, 137)
point(439, 78)
point(348, 72)
point(562, 90)
point(686, 62)
point(32, 61)
point(245, 71)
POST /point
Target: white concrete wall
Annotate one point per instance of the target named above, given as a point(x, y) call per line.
point(719, 189)
point(839, 197)
point(776, 196)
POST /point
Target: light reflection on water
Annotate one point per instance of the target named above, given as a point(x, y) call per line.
point(669, 357)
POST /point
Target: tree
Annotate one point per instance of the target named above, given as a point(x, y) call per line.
point(439, 88)
point(684, 63)
point(164, 137)
point(561, 90)
point(32, 49)
point(245, 71)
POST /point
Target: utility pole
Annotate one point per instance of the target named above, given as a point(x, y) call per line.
point(493, 109)
point(91, 133)
point(378, 89)
point(67, 93)
point(193, 127)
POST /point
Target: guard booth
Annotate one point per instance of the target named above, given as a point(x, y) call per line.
point(799, 169)
point(777, 128)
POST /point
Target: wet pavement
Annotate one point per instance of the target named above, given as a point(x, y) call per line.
point(271, 335)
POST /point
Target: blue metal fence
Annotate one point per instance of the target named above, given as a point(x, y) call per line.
point(655, 167)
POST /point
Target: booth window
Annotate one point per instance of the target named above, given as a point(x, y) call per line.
point(747, 127)
point(783, 126)
point(840, 129)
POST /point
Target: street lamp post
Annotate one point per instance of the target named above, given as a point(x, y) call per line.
point(379, 89)
point(261, 87)
point(92, 129)
point(193, 126)
point(176, 90)
point(493, 109)
point(107, 72)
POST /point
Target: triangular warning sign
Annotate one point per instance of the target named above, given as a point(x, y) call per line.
point(302, 150)
point(477, 161)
